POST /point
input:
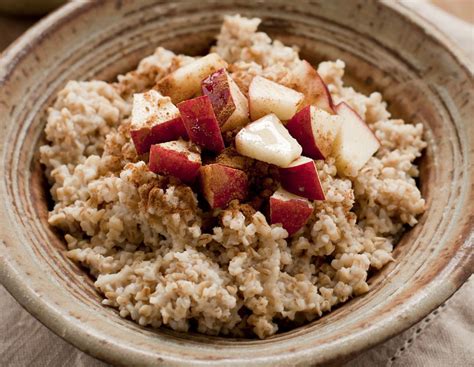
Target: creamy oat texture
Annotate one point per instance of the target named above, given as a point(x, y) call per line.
point(142, 236)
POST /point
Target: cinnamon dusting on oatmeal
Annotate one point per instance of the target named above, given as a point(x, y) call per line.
point(162, 257)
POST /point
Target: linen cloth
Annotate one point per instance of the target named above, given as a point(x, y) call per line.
point(443, 338)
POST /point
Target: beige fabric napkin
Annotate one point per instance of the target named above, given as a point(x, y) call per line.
point(443, 338)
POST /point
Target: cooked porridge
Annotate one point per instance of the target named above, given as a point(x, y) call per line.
point(233, 194)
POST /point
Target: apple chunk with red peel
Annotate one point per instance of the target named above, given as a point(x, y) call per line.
point(185, 82)
point(268, 140)
point(201, 123)
point(176, 158)
point(355, 143)
point(154, 120)
point(290, 210)
point(316, 130)
point(221, 184)
point(267, 97)
point(301, 178)
point(230, 105)
point(307, 81)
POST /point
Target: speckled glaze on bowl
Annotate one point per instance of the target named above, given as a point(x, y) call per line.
point(385, 47)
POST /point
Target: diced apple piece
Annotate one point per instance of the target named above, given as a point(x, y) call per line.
point(290, 210)
point(307, 81)
point(268, 140)
point(301, 178)
point(355, 143)
point(231, 158)
point(154, 120)
point(230, 105)
point(316, 130)
point(185, 82)
point(176, 158)
point(221, 184)
point(267, 97)
point(201, 123)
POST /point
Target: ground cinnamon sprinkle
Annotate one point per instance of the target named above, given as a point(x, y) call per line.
point(162, 257)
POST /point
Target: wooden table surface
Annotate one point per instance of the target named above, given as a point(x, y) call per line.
point(463, 9)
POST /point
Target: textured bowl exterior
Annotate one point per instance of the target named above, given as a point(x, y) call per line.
point(385, 47)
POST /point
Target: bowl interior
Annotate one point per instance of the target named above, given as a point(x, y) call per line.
point(432, 259)
point(360, 74)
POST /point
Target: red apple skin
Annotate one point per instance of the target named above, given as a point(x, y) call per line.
point(324, 100)
point(310, 83)
point(301, 129)
point(167, 161)
point(302, 180)
point(216, 87)
point(221, 184)
point(292, 214)
point(170, 130)
point(201, 124)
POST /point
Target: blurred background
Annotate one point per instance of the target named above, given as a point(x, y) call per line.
point(463, 9)
point(18, 15)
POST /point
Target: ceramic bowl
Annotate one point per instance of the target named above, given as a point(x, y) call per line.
point(385, 47)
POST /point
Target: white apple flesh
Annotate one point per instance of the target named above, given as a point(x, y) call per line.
point(267, 97)
point(185, 82)
point(355, 143)
point(301, 178)
point(229, 103)
point(307, 81)
point(290, 210)
point(268, 140)
point(154, 120)
point(316, 130)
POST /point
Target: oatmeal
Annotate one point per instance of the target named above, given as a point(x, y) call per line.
point(231, 193)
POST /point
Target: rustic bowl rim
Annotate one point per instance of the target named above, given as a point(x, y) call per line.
point(35, 304)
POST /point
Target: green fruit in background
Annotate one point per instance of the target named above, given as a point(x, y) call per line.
point(29, 7)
